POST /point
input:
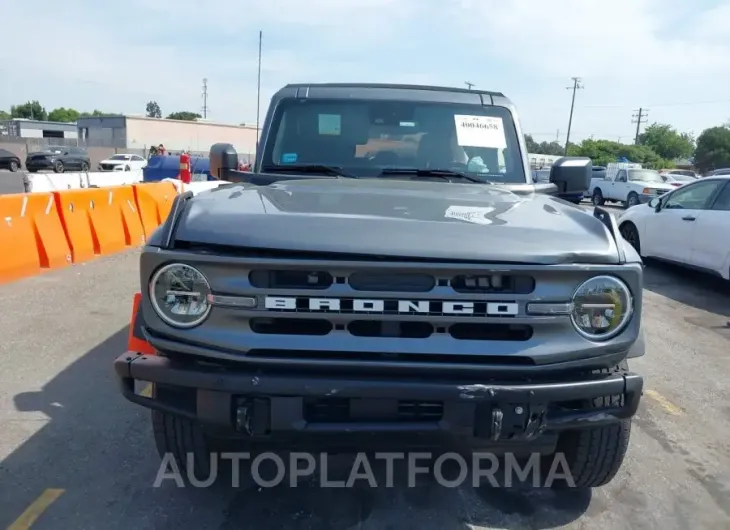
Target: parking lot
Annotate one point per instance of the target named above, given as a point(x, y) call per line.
point(75, 454)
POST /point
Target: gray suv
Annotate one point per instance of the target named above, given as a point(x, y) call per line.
point(366, 278)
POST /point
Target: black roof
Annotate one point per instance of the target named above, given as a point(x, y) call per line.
point(394, 86)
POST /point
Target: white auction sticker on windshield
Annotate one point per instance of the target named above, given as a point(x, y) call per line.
point(480, 131)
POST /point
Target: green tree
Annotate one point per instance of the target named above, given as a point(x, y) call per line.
point(713, 149)
point(665, 141)
point(603, 152)
point(184, 115)
point(31, 110)
point(153, 110)
point(531, 144)
point(94, 114)
point(62, 114)
point(550, 148)
point(4, 115)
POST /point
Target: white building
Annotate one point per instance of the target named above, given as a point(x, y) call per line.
point(141, 132)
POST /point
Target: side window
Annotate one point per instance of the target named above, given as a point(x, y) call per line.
point(723, 199)
point(621, 176)
point(137, 158)
point(692, 196)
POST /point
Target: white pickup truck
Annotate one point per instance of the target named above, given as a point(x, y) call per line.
point(627, 183)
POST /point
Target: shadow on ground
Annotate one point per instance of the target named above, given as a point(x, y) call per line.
point(698, 290)
point(99, 449)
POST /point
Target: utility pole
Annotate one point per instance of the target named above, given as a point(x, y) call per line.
point(557, 135)
point(205, 98)
point(638, 119)
point(258, 91)
point(574, 88)
point(468, 84)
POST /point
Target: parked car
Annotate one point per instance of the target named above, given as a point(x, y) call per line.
point(679, 172)
point(123, 162)
point(9, 160)
point(59, 159)
point(628, 183)
point(718, 172)
point(677, 179)
point(687, 226)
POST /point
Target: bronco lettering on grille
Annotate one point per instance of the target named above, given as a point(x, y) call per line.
point(412, 307)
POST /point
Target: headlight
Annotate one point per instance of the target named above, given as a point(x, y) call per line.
point(179, 295)
point(602, 306)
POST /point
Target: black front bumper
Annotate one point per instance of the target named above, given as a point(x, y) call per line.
point(257, 404)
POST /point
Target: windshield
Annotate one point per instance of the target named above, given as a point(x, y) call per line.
point(119, 157)
point(645, 175)
point(363, 137)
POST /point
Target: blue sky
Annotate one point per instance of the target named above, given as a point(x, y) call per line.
point(671, 56)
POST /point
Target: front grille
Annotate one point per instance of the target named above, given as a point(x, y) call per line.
point(382, 313)
point(390, 329)
point(107, 167)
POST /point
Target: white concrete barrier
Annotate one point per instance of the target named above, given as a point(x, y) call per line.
point(196, 187)
point(46, 182)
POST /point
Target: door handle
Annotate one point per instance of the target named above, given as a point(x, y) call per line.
point(688, 218)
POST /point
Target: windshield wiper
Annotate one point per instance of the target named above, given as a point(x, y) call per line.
point(309, 168)
point(444, 173)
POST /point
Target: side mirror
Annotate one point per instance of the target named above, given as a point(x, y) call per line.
point(223, 159)
point(572, 174)
point(655, 203)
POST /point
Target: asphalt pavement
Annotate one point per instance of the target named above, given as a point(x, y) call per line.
point(74, 454)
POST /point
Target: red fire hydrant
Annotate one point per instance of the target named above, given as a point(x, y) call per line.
point(185, 168)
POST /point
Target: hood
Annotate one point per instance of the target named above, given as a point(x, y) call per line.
point(398, 218)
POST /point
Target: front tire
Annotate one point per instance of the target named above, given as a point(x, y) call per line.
point(631, 235)
point(595, 455)
point(58, 167)
point(180, 437)
point(632, 200)
point(13, 166)
point(597, 198)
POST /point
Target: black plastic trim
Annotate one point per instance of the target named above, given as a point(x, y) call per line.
point(609, 220)
point(168, 228)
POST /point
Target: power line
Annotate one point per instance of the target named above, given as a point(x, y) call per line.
point(638, 119)
point(205, 98)
point(574, 88)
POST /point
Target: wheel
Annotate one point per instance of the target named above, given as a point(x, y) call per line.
point(84, 167)
point(58, 167)
point(632, 200)
point(597, 198)
point(594, 455)
point(126, 168)
point(13, 166)
point(631, 234)
point(179, 438)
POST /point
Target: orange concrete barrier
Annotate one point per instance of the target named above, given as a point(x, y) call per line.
point(53, 248)
point(31, 235)
point(154, 201)
point(19, 252)
point(73, 208)
point(133, 230)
